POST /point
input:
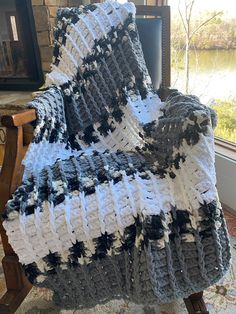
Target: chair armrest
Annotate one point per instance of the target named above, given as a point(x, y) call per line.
point(19, 119)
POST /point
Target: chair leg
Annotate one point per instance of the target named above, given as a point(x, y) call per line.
point(195, 304)
point(17, 285)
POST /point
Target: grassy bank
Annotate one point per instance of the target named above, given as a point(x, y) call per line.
point(226, 112)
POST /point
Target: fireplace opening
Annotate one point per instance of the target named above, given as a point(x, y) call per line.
point(20, 66)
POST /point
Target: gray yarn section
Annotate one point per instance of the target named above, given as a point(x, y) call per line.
point(73, 172)
point(144, 276)
point(184, 106)
point(123, 67)
point(51, 120)
point(102, 280)
point(184, 118)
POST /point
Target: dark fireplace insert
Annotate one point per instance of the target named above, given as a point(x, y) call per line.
point(20, 65)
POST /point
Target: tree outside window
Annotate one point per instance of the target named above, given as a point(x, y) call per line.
point(204, 56)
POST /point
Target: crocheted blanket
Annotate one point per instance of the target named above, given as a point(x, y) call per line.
point(119, 194)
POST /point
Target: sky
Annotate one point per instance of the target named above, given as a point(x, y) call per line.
point(225, 5)
point(228, 6)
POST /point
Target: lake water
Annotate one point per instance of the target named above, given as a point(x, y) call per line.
point(212, 74)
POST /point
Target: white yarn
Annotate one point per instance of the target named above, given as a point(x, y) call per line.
point(82, 218)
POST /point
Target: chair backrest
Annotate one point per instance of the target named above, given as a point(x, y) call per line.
point(154, 30)
point(150, 37)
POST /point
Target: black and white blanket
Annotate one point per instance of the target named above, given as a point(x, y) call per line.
point(119, 194)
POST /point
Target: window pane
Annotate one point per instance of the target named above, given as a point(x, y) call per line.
point(13, 62)
point(212, 57)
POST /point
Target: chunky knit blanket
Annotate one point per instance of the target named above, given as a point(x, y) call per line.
point(119, 194)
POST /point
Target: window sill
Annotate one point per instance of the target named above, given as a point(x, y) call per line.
point(225, 148)
point(225, 162)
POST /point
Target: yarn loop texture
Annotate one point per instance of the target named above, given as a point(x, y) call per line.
point(119, 196)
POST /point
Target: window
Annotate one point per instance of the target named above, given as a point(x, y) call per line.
point(204, 57)
point(19, 57)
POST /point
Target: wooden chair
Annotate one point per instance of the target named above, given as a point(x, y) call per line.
point(18, 137)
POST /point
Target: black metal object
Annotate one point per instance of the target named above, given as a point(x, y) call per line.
point(150, 32)
point(163, 15)
point(30, 52)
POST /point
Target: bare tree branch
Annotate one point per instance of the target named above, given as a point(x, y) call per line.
point(182, 18)
point(204, 23)
point(186, 12)
point(191, 9)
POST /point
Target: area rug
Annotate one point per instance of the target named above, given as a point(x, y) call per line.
point(220, 298)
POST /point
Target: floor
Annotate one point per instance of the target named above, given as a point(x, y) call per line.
point(220, 298)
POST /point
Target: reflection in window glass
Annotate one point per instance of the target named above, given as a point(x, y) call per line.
point(13, 60)
point(204, 56)
point(14, 28)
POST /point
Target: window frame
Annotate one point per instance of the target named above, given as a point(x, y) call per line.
point(225, 148)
